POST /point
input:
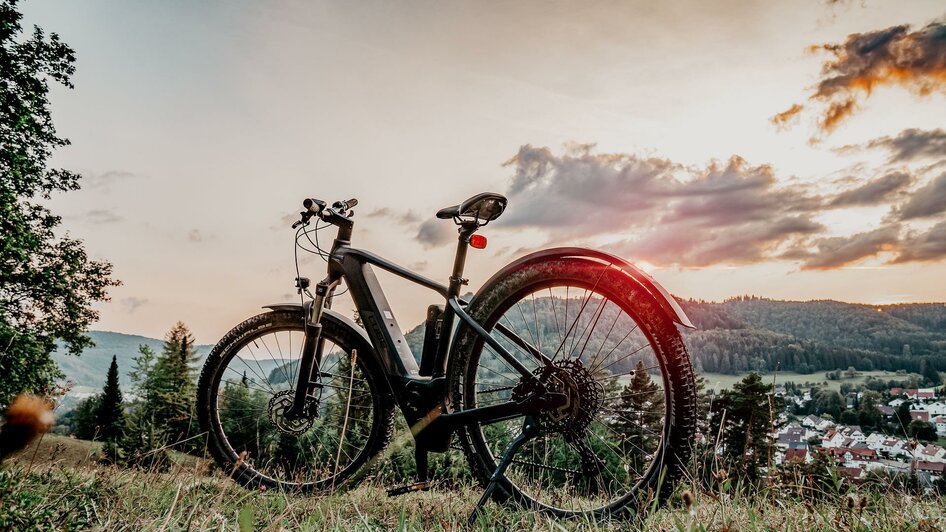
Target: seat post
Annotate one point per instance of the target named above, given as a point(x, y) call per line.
point(463, 244)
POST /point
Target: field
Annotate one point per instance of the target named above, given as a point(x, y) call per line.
point(58, 485)
point(721, 381)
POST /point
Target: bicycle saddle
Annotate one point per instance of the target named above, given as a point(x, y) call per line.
point(484, 207)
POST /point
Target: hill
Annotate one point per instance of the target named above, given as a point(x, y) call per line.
point(732, 337)
point(747, 333)
point(88, 370)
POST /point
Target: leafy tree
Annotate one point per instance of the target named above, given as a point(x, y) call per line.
point(84, 421)
point(869, 415)
point(110, 414)
point(930, 375)
point(902, 417)
point(828, 402)
point(848, 417)
point(922, 430)
point(47, 282)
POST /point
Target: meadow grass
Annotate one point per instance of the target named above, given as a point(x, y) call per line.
point(43, 489)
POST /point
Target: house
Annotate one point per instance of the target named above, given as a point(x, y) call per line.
point(935, 469)
point(930, 453)
point(811, 421)
point(896, 402)
point(940, 422)
point(886, 411)
point(922, 394)
point(851, 456)
point(922, 415)
point(797, 455)
point(854, 473)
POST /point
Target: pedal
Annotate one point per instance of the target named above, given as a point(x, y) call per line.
point(408, 488)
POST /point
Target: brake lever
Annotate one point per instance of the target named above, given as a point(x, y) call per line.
point(304, 220)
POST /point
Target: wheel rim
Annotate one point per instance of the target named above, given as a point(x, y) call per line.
point(253, 389)
point(620, 448)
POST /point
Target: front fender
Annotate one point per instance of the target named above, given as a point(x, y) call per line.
point(666, 301)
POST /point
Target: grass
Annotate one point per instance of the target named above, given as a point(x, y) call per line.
point(722, 381)
point(55, 486)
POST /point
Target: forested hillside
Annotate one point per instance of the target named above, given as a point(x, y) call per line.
point(747, 333)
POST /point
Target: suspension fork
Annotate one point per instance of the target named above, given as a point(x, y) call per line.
point(311, 348)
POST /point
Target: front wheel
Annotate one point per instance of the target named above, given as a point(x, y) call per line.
point(630, 415)
point(247, 384)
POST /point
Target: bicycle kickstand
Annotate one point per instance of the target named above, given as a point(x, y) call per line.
point(530, 428)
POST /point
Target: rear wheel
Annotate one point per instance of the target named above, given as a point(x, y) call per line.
point(247, 384)
point(630, 410)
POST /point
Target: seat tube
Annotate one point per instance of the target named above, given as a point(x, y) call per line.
point(453, 290)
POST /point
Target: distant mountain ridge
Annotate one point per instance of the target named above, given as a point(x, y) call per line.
point(747, 333)
point(733, 336)
point(88, 370)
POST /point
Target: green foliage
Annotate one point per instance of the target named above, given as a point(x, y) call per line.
point(47, 283)
point(639, 417)
point(743, 416)
point(110, 414)
point(753, 334)
point(84, 420)
point(922, 430)
point(163, 416)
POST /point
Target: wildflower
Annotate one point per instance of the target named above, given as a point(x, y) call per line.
point(688, 502)
point(27, 417)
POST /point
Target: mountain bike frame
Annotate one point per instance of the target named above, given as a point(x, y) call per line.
point(420, 393)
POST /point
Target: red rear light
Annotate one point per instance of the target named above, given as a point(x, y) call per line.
point(478, 241)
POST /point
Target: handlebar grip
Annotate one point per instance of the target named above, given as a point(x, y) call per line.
point(313, 205)
point(346, 205)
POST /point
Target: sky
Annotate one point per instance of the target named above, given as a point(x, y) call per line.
point(792, 150)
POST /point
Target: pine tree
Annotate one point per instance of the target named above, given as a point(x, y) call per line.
point(744, 415)
point(930, 375)
point(165, 383)
point(110, 415)
point(639, 416)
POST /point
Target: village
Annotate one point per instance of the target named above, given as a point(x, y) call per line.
point(859, 452)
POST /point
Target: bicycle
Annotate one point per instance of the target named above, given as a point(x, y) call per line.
point(551, 411)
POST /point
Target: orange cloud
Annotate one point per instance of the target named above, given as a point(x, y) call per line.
point(896, 56)
point(788, 116)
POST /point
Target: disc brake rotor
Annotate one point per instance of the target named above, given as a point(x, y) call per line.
point(278, 406)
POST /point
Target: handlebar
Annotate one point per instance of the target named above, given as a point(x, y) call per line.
point(316, 207)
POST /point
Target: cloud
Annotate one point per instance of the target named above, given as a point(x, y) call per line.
point(101, 216)
point(663, 212)
point(434, 232)
point(133, 303)
point(895, 56)
point(926, 201)
point(875, 192)
point(105, 179)
point(912, 144)
point(196, 236)
point(835, 252)
point(924, 247)
point(406, 217)
point(787, 117)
